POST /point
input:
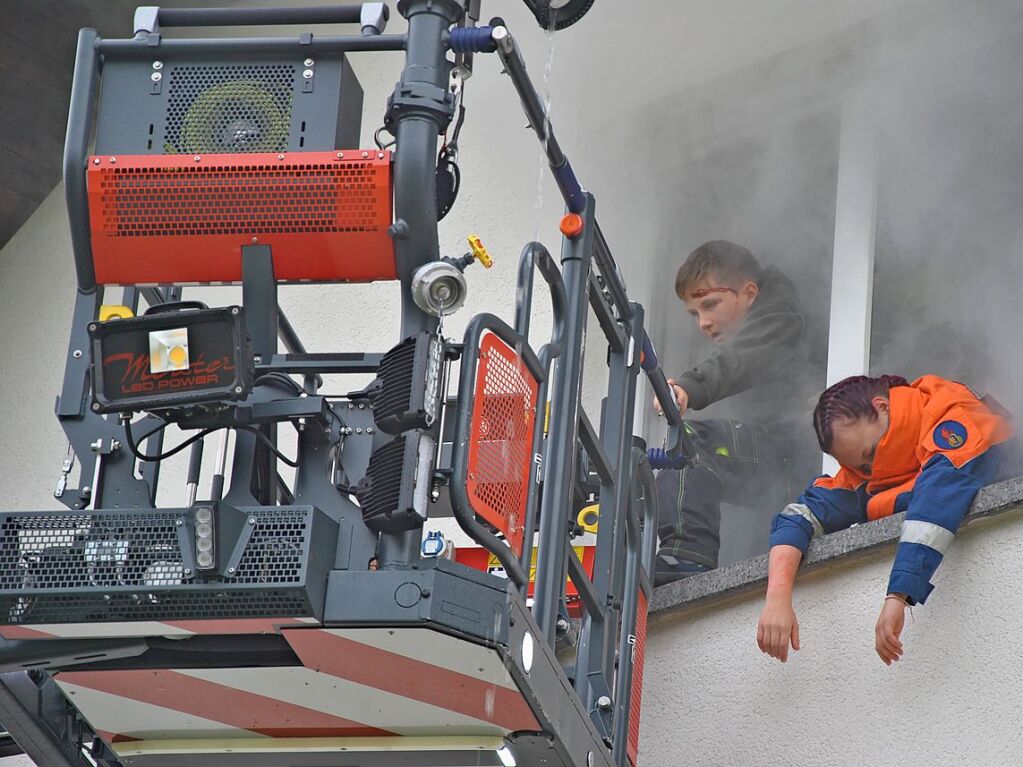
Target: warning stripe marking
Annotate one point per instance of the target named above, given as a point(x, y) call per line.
point(256, 713)
point(343, 657)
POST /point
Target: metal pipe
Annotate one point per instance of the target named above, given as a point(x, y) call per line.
point(535, 255)
point(576, 256)
point(140, 49)
point(612, 276)
point(637, 560)
point(194, 468)
point(539, 120)
point(246, 17)
point(422, 108)
point(217, 483)
point(84, 86)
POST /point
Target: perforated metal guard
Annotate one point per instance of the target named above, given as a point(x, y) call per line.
point(638, 653)
point(231, 108)
point(177, 220)
point(123, 566)
point(500, 460)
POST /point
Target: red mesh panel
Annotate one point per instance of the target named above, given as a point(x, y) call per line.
point(638, 650)
point(500, 459)
point(177, 219)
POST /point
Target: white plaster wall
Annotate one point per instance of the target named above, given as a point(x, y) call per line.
point(711, 698)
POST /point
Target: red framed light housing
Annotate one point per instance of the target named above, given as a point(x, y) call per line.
point(183, 219)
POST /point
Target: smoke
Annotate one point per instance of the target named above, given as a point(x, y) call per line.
point(739, 139)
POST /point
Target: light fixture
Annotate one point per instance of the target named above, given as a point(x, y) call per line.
point(204, 539)
point(506, 757)
point(168, 350)
point(528, 646)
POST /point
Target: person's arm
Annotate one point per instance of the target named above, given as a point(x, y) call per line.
point(762, 343)
point(827, 505)
point(941, 497)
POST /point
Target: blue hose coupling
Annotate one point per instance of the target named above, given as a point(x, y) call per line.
point(660, 459)
point(472, 40)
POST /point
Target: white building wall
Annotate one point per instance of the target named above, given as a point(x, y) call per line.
point(711, 698)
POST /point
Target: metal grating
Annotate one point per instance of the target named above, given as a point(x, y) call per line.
point(500, 460)
point(231, 108)
point(275, 552)
point(638, 653)
point(71, 551)
point(112, 566)
point(172, 219)
point(283, 198)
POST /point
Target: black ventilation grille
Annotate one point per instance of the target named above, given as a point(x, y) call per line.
point(231, 108)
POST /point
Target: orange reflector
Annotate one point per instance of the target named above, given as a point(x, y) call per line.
point(571, 224)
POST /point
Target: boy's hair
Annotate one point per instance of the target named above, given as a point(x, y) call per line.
point(850, 398)
point(730, 263)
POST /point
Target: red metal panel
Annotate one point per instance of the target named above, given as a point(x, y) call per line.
point(166, 219)
point(638, 650)
point(500, 459)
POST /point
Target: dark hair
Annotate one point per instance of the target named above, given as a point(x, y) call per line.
point(730, 263)
point(850, 398)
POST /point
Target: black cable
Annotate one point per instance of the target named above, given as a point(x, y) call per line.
point(129, 438)
point(269, 444)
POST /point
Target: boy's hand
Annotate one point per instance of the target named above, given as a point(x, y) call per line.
point(889, 629)
point(681, 398)
point(778, 627)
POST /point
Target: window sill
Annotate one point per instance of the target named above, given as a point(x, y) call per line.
point(750, 575)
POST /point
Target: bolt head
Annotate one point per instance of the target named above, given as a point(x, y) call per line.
point(156, 77)
point(604, 701)
point(365, 154)
point(113, 159)
point(197, 158)
point(280, 157)
point(95, 406)
point(188, 571)
point(252, 520)
point(340, 155)
point(307, 74)
point(238, 390)
point(230, 570)
point(77, 354)
point(308, 62)
point(96, 161)
point(157, 65)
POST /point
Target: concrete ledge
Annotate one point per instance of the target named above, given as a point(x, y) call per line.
point(859, 540)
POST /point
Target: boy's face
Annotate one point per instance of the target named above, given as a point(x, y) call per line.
point(854, 441)
point(719, 309)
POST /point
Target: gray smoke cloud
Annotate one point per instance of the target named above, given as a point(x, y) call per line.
point(750, 153)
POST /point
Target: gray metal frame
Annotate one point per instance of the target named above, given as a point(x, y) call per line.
point(583, 708)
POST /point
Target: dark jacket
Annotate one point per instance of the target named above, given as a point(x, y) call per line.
point(762, 370)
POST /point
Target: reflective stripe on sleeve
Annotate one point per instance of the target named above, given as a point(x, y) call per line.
point(928, 534)
point(802, 510)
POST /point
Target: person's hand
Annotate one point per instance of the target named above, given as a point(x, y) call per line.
point(889, 628)
point(777, 628)
point(681, 398)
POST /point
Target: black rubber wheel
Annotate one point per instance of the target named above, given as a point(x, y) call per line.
point(565, 16)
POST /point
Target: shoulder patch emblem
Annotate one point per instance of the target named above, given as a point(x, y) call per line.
point(950, 435)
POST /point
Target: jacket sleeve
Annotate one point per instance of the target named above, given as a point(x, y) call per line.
point(825, 507)
point(941, 497)
point(759, 345)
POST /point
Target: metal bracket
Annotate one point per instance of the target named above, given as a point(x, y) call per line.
point(374, 18)
point(147, 20)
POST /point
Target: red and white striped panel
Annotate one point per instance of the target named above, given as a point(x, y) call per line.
point(152, 628)
point(355, 683)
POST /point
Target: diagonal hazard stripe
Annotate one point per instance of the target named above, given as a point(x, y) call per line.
point(236, 708)
point(371, 666)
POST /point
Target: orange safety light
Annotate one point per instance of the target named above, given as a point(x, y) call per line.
point(571, 225)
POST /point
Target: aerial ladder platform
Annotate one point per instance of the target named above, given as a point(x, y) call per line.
point(295, 615)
